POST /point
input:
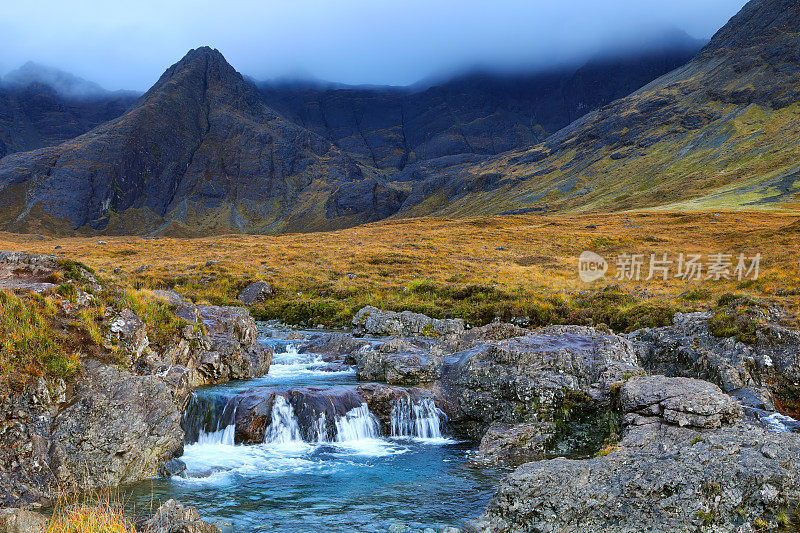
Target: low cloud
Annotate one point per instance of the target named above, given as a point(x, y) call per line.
point(128, 45)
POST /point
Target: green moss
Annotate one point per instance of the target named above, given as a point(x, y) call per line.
point(695, 295)
point(706, 517)
point(734, 317)
point(74, 270)
point(428, 331)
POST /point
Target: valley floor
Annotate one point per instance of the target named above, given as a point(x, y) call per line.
point(476, 269)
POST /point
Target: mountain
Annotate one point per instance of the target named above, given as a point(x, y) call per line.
point(477, 113)
point(198, 152)
point(205, 150)
point(42, 106)
point(722, 131)
point(63, 83)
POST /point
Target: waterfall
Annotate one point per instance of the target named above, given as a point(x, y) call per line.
point(210, 419)
point(321, 428)
point(222, 436)
point(284, 427)
point(416, 418)
point(357, 424)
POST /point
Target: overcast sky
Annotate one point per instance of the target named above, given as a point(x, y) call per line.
point(128, 44)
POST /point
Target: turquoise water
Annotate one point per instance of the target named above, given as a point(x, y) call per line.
point(368, 482)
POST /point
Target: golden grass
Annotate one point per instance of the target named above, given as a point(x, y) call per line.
point(100, 512)
point(515, 258)
point(28, 344)
point(103, 517)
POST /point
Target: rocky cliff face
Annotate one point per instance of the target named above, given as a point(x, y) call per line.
point(41, 106)
point(35, 115)
point(478, 113)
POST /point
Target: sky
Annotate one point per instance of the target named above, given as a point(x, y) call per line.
point(127, 45)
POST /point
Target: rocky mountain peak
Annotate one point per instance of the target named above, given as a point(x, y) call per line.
point(201, 74)
point(759, 23)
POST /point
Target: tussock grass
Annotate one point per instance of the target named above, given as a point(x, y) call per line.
point(28, 344)
point(162, 324)
point(97, 518)
point(97, 513)
point(478, 269)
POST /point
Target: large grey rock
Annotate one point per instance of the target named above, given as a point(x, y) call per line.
point(687, 348)
point(15, 520)
point(25, 272)
point(681, 401)
point(398, 362)
point(372, 321)
point(26, 418)
point(258, 291)
point(223, 349)
point(526, 379)
point(119, 428)
point(496, 331)
point(662, 479)
point(175, 517)
point(515, 444)
point(129, 332)
point(331, 344)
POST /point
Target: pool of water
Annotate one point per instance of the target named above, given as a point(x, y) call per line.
point(361, 481)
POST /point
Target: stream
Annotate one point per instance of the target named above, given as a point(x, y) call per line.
point(331, 475)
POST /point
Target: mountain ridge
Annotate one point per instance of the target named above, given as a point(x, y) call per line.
point(718, 132)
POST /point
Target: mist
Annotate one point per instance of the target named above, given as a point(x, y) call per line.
point(128, 45)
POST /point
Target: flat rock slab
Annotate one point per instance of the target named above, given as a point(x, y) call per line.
point(680, 401)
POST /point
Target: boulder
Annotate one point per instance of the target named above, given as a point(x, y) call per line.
point(119, 428)
point(173, 467)
point(168, 296)
point(397, 362)
point(529, 379)
point(663, 478)
point(25, 272)
point(372, 321)
point(175, 517)
point(689, 349)
point(15, 520)
point(680, 401)
point(256, 292)
point(496, 331)
point(224, 349)
point(129, 332)
point(333, 344)
point(515, 444)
